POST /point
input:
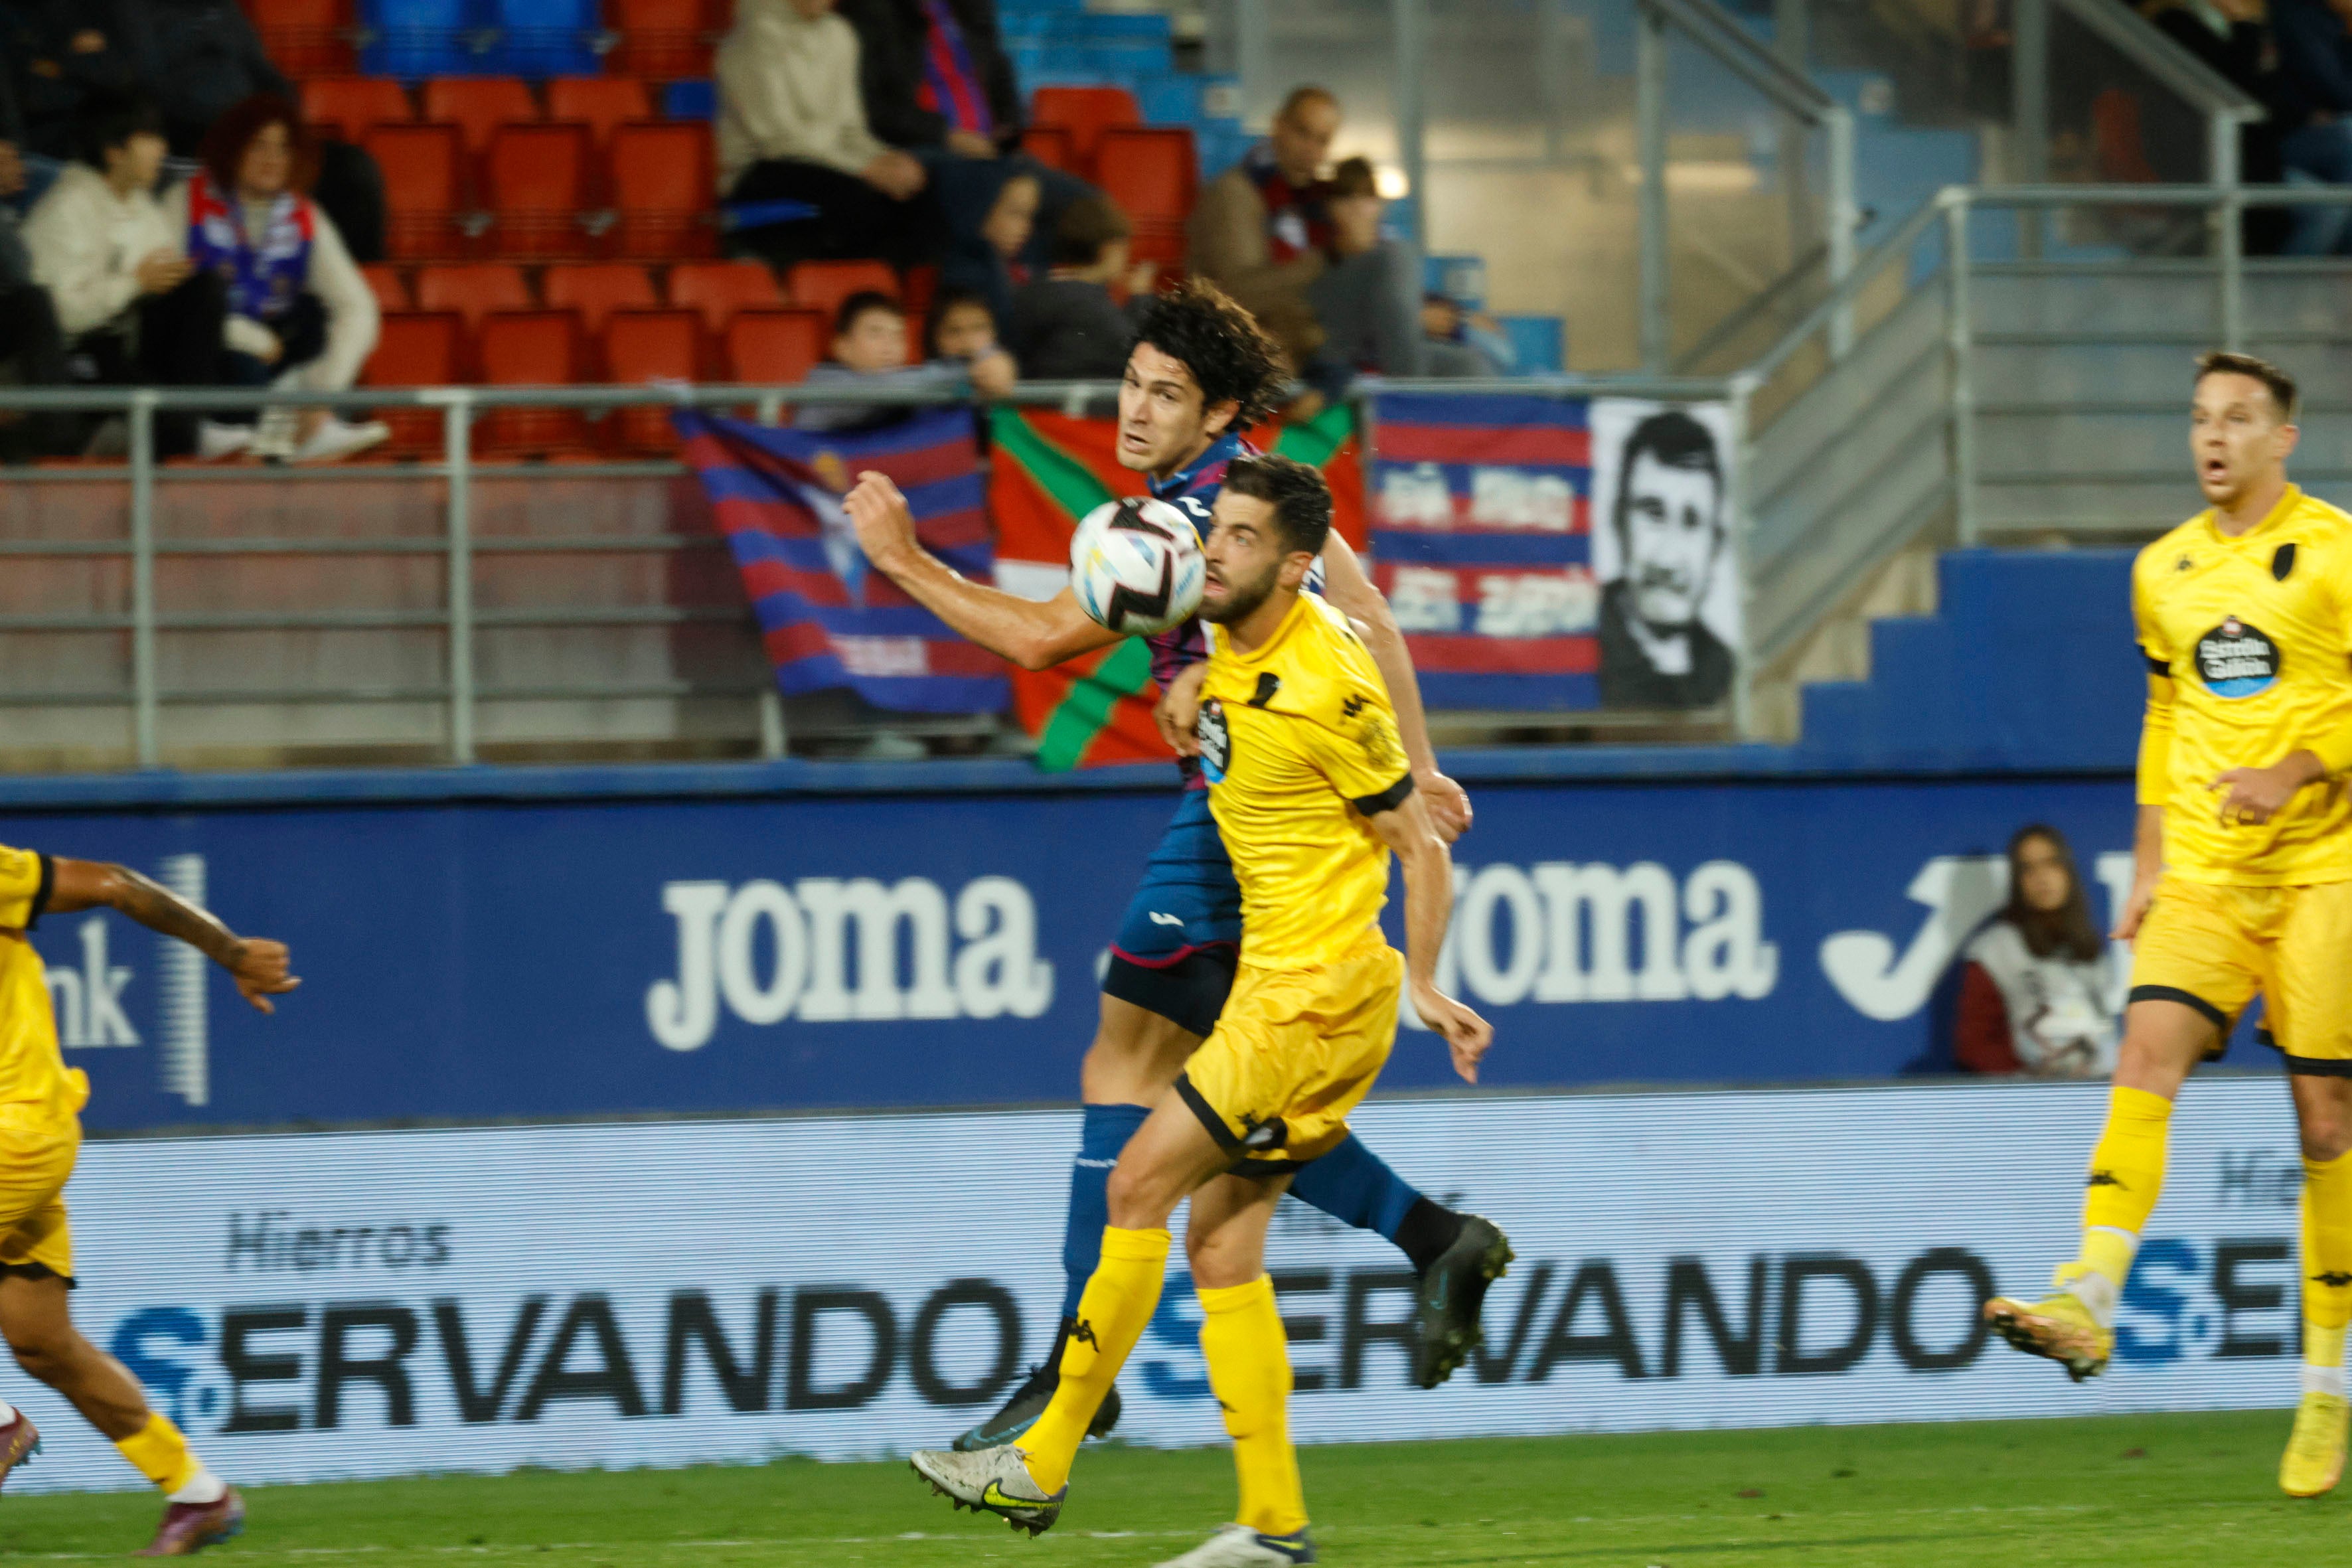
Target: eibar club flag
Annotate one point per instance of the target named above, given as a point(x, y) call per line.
point(828, 620)
point(1050, 470)
point(1482, 542)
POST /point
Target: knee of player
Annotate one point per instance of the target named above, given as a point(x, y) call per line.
point(1139, 1197)
point(2327, 1132)
point(42, 1351)
point(1218, 1261)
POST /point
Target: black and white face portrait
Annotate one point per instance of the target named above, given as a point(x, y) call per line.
point(1661, 516)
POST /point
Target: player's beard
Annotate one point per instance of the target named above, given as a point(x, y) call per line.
point(1242, 599)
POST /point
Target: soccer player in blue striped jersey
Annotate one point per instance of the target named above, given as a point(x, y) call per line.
point(1202, 372)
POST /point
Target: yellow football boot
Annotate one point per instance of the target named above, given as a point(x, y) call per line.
point(2314, 1461)
point(2059, 1326)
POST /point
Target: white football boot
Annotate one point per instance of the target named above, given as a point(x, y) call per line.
point(1239, 1546)
point(990, 1480)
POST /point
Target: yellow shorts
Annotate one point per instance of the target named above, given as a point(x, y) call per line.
point(2216, 948)
point(1293, 1052)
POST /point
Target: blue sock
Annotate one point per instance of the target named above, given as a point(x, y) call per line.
point(1103, 1133)
point(1353, 1184)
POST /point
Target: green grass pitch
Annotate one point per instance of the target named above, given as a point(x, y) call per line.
point(2150, 1491)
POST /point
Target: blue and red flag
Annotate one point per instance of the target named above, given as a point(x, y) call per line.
point(828, 620)
point(1481, 538)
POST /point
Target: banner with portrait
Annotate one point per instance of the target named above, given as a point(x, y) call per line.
point(1546, 553)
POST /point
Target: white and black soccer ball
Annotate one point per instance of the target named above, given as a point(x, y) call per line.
point(1136, 565)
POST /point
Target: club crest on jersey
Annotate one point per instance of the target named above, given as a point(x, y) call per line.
point(1216, 741)
point(2237, 661)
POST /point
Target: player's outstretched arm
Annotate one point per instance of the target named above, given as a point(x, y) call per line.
point(1032, 634)
point(1407, 828)
point(258, 964)
point(1352, 594)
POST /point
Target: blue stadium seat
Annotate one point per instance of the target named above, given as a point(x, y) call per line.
point(414, 38)
point(691, 100)
point(545, 38)
point(1541, 343)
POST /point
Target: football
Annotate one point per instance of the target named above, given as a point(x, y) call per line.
point(1136, 567)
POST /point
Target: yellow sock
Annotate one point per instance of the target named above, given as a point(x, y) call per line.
point(1249, 1369)
point(2127, 1175)
point(1119, 1301)
point(162, 1454)
point(2326, 1271)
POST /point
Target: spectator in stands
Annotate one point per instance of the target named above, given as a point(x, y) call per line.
point(299, 314)
point(870, 351)
point(2036, 996)
point(2313, 117)
point(1065, 326)
point(991, 262)
point(936, 83)
point(1306, 256)
point(32, 349)
point(1453, 329)
point(199, 58)
point(2231, 38)
point(961, 329)
point(56, 54)
point(129, 305)
point(791, 127)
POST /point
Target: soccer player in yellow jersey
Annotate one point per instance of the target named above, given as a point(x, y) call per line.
point(1310, 790)
point(2243, 883)
point(40, 1134)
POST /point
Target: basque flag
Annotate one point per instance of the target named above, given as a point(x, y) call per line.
point(1481, 538)
point(828, 620)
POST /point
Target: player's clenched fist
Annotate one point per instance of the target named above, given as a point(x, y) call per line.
point(1466, 1035)
point(259, 968)
point(885, 525)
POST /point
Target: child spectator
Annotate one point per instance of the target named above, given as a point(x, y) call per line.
point(132, 310)
point(961, 331)
point(1466, 343)
point(791, 127)
point(1065, 326)
point(300, 316)
point(989, 262)
point(870, 351)
point(2035, 995)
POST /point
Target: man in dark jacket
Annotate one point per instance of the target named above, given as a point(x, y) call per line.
point(56, 54)
point(32, 348)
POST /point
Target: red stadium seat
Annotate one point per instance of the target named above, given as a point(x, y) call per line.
point(596, 289)
point(1052, 145)
point(478, 106)
point(663, 40)
point(642, 346)
point(473, 290)
point(416, 348)
point(1085, 113)
point(824, 284)
point(1152, 171)
point(772, 348)
point(663, 202)
point(602, 104)
point(305, 38)
point(424, 189)
point(536, 180)
point(531, 348)
point(922, 284)
point(391, 290)
point(347, 106)
point(719, 289)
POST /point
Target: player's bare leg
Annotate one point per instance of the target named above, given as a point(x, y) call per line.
point(2313, 1460)
point(38, 1326)
point(2074, 1325)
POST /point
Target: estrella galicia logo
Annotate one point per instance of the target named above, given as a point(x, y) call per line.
point(2237, 661)
point(1216, 741)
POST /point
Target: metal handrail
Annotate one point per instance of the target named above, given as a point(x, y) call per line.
point(1717, 31)
point(2145, 45)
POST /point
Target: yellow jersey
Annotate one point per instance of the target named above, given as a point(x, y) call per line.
point(2249, 649)
point(1298, 744)
point(32, 1070)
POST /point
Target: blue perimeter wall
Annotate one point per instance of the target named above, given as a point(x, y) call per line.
point(590, 941)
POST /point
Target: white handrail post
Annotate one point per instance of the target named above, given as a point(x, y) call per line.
point(457, 437)
point(1650, 131)
point(1844, 217)
point(145, 699)
point(1743, 687)
point(2028, 87)
point(1959, 337)
point(1409, 24)
point(2229, 229)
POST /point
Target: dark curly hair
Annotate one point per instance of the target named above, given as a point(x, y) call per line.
point(1221, 344)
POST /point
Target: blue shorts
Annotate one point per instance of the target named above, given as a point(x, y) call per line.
point(1176, 946)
